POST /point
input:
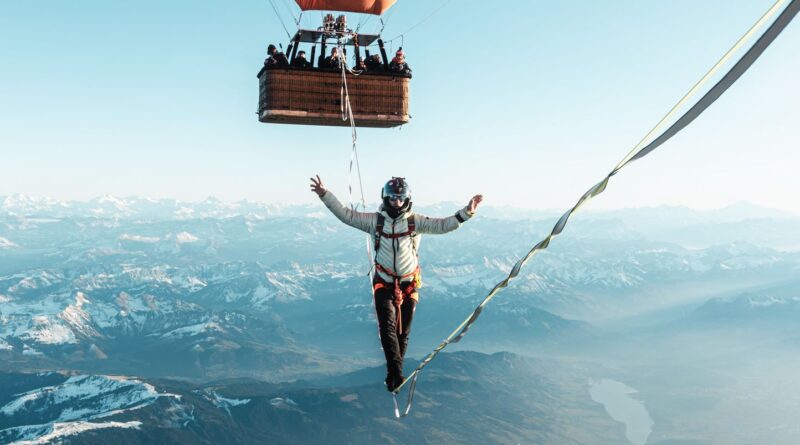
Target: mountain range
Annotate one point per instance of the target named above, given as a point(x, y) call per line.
point(252, 321)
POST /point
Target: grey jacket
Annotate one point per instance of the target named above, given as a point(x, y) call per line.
point(399, 254)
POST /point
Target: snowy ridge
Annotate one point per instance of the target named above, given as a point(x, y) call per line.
point(77, 318)
point(112, 207)
point(282, 402)
point(44, 434)
point(47, 331)
point(221, 402)
point(196, 329)
point(5, 243)
point(139, 238)
point(33, 282)
point(767, 300)
point(66, 409)
point(105, 394)
point(185, 237)
point(283, 288)
point(773, 308)
point(58, 319)
point(50, 328)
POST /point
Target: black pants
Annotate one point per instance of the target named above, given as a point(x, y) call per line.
point(394, 345)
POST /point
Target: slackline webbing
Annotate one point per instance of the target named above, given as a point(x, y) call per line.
point(638, 152)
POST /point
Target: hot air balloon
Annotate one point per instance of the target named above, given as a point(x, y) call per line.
point(316, 95)
point(376, 7)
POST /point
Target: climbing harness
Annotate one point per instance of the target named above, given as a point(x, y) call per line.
point(400, 289)
point(379, 233)
point(638, 152)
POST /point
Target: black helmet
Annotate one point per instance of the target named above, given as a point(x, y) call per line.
point(271, 48)
point(396, 189)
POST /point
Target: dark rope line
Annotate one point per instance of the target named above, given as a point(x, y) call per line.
point(280, 19)
point(420, 22)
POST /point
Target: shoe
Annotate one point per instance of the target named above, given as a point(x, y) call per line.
point(390, 382)
point(393, 381)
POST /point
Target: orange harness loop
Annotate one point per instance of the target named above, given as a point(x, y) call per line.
point(398, 292)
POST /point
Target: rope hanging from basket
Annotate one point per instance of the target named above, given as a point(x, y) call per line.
point(347, 114)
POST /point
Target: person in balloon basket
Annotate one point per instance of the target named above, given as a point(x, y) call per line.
point(374, 64)
point(398, 63)
point(333, 62)
point(276, 58)
point(300, 60)
point(396, 233)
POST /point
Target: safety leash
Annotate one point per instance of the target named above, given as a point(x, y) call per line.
point(410, 399)
point(347, 114)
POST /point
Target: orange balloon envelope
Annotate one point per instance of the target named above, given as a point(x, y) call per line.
point(376, 7)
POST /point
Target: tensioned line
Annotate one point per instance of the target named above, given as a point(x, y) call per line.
point(637, 152)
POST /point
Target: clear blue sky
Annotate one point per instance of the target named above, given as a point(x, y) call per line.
point(527, 102)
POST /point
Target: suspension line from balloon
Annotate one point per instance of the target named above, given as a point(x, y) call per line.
point(291, 13)
point(421, 21)
point(280, 19)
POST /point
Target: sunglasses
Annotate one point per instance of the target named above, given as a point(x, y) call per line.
point(397, 197)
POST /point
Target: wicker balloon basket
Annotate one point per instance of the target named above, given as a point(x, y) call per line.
point(314, 97)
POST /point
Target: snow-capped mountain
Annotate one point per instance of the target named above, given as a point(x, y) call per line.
point(210, 291)
point(481, 393)
point(71, 406)
point(134, 207)
point(776, 308)
point(131, 293)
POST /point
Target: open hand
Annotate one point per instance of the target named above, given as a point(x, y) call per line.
point(317, 187)
point(473, 203)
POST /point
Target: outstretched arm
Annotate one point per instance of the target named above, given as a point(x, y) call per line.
point(359, 220)
point(444, 225)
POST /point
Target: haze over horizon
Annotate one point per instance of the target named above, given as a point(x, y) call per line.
point(19, 200)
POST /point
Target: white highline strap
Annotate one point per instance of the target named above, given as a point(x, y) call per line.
point(715, 92)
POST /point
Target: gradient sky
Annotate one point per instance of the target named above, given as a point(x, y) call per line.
point(527, 102)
